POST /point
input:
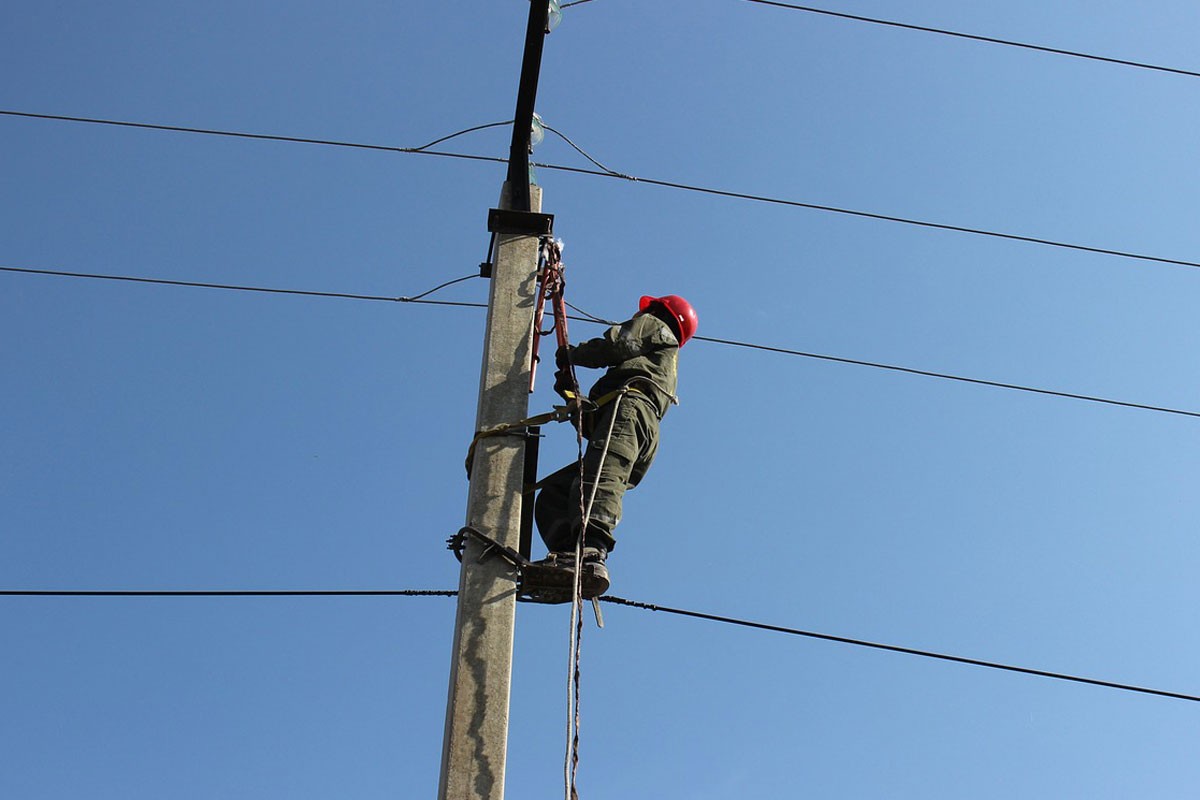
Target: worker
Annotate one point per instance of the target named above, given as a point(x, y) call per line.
point(621, 423)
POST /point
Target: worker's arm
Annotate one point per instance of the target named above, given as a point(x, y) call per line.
point(640, 335)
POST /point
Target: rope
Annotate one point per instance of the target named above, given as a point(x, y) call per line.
point(571, 759)
point(551, 286)
point(577, 598)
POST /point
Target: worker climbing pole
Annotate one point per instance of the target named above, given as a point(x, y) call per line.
point(624, 407)
point(620, 416)
point(578, 507)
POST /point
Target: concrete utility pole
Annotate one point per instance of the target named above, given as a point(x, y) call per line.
point(476, 735)
point(473, 752)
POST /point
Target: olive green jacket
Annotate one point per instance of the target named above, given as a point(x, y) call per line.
point(644, 347)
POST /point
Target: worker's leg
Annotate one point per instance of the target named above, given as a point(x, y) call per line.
point(557, 509)
point(631, 448)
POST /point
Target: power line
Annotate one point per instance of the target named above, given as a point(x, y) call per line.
point(863, 214)
point(457, 134)
point(263, 289)
point(635, 179)
point(960, 35)
point(897, 649)
point(256, 136)
point(586, 317)
point(606, 599)
point(946, 376)
point(439, 287)
point(584, 153)
point(978, 38)
point(229, 593)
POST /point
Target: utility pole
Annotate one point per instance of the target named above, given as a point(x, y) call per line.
point(476, 734)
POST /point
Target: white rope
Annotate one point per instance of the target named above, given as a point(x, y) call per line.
point(572, 756)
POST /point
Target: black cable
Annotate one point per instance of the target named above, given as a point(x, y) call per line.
point(606, 599)
point(437, 288)
point(264, 289)
point(650, 181)
point(209, 132)
point(457, 134)
point(230, 593)
point(897, 649)
point(586, 317)
point(259, 136)
point(977, 38)
point(583, 152)
point(945, 376)
point(589, 317)
point(668, 184)
point(865, 214)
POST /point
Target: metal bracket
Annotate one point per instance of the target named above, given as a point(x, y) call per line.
point(458, 543)
point(536, 582)
point(529, 223)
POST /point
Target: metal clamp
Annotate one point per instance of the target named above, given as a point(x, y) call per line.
point(529, 223)
point(536, 582)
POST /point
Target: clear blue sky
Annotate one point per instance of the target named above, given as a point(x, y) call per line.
point(156, 437)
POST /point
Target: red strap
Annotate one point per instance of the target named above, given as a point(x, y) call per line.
point(551, 286)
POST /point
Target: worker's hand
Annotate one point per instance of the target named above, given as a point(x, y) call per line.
point(562, 356)
point(564, 384)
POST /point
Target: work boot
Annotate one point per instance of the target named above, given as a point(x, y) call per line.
point(593, 580)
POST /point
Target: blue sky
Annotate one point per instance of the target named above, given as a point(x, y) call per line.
point(162, 437)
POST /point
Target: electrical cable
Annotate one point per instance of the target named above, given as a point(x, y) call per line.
point(584, 153)
point(897, 649)
point(978, 38)
point(960, 35)
point(862, 214)
point(439, 287)
point(244, 135)
point(615, 601)
point(267, 290)
point(948, 377)
point(586, 317)
point(457, 134)
point(230, 593)
point(606, 173)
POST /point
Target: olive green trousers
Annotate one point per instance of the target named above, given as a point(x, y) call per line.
point(632, 443)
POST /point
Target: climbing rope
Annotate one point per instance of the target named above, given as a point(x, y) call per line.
point(585, 515)
point(551, 287)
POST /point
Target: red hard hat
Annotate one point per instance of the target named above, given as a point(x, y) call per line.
point(681, 310)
